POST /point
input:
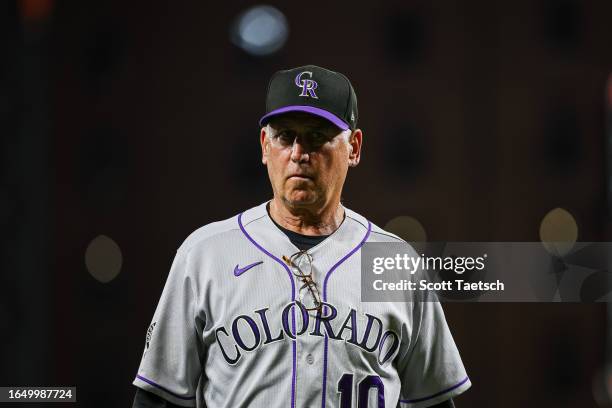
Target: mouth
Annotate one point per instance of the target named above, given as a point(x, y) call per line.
point(299, 177)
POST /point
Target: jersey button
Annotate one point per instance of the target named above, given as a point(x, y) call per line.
point(310, 359)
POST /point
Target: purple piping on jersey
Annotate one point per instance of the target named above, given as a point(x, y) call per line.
point(262, 249)
point(308, 109)
point(333, 268)
point(140, 377)
point(436, 394)
point(324, 372)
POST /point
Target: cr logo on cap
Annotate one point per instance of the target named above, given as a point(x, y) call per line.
point(308, 85)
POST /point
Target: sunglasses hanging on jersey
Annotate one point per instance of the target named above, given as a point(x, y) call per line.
point(310, 297)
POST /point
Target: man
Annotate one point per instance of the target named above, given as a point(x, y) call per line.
point(263, 309)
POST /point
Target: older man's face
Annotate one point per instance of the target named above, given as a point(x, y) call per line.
point(307, 158)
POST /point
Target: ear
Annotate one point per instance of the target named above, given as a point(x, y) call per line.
point(355, 141)
point(265, 145)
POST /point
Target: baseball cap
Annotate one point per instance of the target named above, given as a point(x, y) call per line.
point(312, 89)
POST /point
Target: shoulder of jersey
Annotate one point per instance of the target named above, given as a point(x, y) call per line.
point(219, 234)
point(377, 234)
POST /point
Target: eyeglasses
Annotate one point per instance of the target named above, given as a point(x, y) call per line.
point(309, 294)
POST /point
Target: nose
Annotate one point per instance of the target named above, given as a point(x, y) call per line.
point(299, 152)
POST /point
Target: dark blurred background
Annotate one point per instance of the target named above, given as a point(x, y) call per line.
point(127, 125)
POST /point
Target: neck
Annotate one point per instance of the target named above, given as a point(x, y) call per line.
point(321, 221)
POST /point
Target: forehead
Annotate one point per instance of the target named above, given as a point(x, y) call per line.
point(297, 120)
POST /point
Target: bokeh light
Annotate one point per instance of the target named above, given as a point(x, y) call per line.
point(410, 230)
point(103, 259)
point(260, 30)
point(558, 232)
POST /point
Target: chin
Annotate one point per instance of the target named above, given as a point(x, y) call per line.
point(301, 198)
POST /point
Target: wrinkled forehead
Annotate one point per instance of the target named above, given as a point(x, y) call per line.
point(303, 121)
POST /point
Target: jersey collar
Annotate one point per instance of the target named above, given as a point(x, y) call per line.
point(351, 233)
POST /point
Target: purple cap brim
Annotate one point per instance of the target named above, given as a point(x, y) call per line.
point(308, 109)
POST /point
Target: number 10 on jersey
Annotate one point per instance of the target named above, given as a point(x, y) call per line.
point(345, 388)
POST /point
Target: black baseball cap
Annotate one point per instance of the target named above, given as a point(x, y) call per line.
point(312, 89)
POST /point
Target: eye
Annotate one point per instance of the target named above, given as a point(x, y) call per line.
point(317, 135)
point(285, 136)
point(319, 138)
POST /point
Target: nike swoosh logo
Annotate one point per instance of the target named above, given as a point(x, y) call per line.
point(239, 271)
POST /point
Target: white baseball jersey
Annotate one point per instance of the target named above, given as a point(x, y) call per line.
point(230, 331)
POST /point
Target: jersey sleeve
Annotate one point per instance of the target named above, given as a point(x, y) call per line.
point(430, 368)
point(145, 399)
point(171, 362)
